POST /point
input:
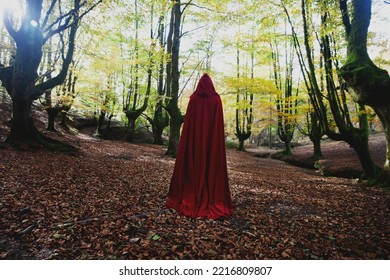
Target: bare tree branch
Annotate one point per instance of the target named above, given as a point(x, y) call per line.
point(63, 27)
point(87, 11)
point(185, 6)
point(193, 30)
point(198, 6)
point(68, 15)
point(49, 11)
point(40, 89)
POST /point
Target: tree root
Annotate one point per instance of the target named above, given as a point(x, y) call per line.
point(38, 141)
point(382, 180)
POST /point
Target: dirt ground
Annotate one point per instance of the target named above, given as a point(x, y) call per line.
point(339, 159)
point(107, 202)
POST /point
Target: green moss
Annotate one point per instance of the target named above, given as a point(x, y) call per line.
point(362, 72)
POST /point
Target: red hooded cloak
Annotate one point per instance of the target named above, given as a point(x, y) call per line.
point(199, 185)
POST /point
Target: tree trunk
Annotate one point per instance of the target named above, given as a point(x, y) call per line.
point(99, 130)
point(157, 137)
point(108, 127)
point(241, 139)
point(315, 134)
point(288, 150)
point(363, 152)
point(173, 77)
point(174, 130)
point(317, 148)
point(160, 121)
point(244, 117)
point(286, 107)
point(384, 177)
point(25, 135)
point(386, 126)
point(130, 129)
point(133, 114)
point(51, 114)
point(23, 128)
point(27, 59)
point(370, 84)
point(64, 116)
point(241, 146)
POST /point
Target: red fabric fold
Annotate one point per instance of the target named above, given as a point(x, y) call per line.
point(199, 185)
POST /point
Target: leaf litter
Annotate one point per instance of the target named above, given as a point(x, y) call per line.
point(108, 203)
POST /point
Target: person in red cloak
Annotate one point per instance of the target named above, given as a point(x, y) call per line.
point(199, 185)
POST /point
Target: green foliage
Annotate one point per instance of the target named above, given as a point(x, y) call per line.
point(114, 50)
point(251, 85)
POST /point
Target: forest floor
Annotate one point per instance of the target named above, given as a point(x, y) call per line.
point(107, 202)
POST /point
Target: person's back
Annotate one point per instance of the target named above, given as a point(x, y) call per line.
point(199, 185)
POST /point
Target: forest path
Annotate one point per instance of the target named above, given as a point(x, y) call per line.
point(106, 204)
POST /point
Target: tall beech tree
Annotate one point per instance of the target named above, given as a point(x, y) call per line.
point(160, 118)
point(173, 75)
point(330, 102)
point(135, 102)
point(60, 99)
point(286, 99)
point(244, 105)
point(107, 104)
point(36, 28)
point(245, 63)
point(370, 84)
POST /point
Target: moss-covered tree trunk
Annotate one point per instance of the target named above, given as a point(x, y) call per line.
point(363, 152)
point(244, 116)
point(159, 123)
point(173, 77)
point(317, 151)
point(176, 120)
point(370, 84)
point(160, 118)
point(335, 99)
point(242, 137)
point(131, 110)
point(315, 134)
point(157, 136)
point(52, 111)
point(243, 129)
point(286, 106)
point(287, 148)
point(241, 146)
